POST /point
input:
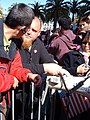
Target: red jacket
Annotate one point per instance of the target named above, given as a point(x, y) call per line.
point(10, 64)
point(7, 79)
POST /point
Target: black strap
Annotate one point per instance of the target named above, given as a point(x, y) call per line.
point(68, 92)
point(67, 96)
point(78, 85)
point(64, 83)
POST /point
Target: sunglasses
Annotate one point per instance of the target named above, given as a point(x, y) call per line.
point(23, 30)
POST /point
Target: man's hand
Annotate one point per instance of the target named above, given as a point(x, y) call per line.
point(54, 69)
point(15, 83)
point(34, 78)
point(82, 69)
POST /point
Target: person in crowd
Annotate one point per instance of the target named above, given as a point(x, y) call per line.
point(34, 54)
point(11, 70)
point(84, 24)
point(44, 37)
point(36, 49)
point(77, 62)
point(83, 27)
point(54, 34)
point(64, 43)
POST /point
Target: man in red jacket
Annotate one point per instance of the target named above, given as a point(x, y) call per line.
point(14, 26)
point(11, 71)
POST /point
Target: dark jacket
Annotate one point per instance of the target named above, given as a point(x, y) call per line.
point(72, 60)
point(34, 59)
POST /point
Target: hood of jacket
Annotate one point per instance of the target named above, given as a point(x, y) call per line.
point(68, 37)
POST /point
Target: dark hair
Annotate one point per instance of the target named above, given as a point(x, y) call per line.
point(87, 37)
point(85, 19)
point(65, 22)
point(20, 14)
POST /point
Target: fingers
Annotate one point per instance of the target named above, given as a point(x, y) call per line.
point(37, 81)
point(64, 72)
point(15, 83)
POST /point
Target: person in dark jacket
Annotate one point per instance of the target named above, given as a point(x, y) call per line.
point(77, 62)
point(39, 60)
point(11, 69)
point(35, 56)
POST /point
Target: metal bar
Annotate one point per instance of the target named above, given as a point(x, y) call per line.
point(32, 100)
point(12, 104)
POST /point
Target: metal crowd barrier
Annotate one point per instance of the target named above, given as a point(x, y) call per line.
point(78, 89)
point(71, 84)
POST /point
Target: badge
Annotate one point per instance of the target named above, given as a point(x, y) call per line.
point(35, 51)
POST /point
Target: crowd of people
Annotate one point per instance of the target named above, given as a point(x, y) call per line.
point(25, 59)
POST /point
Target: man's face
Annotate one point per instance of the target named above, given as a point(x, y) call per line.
point(19, 31)
point(86, 46)
point(83, 25)
point(32, 33)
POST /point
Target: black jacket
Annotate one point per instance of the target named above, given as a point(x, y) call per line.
point(72, 60)
point(34, 59)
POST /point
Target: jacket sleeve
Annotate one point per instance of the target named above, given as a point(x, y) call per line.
point(43, 57)
point(68, 64)
point(17, 69)
point(35, 68)
point(53, 46)
point(6, 81)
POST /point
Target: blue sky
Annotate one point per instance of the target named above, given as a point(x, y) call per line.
point(7, 3)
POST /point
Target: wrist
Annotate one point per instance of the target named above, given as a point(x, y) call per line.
point(45, 67)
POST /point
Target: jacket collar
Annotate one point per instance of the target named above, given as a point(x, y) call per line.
point(12, 50)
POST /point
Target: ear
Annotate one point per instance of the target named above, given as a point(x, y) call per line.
point(39, 33)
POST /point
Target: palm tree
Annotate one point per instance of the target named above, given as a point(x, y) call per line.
point(84, 9)
point(77, 7)
point(55, 8)
point(38, 10)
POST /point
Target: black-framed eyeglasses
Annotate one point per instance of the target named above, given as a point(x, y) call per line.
point(23, 30)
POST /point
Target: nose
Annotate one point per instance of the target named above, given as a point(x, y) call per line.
point(87, 44)
point(28, 32)
point(82, 26)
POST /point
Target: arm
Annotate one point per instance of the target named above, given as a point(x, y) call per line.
point(53, 46)
point(55, 69)
point(23, 74)
point(37, 59)
point(7, 81)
